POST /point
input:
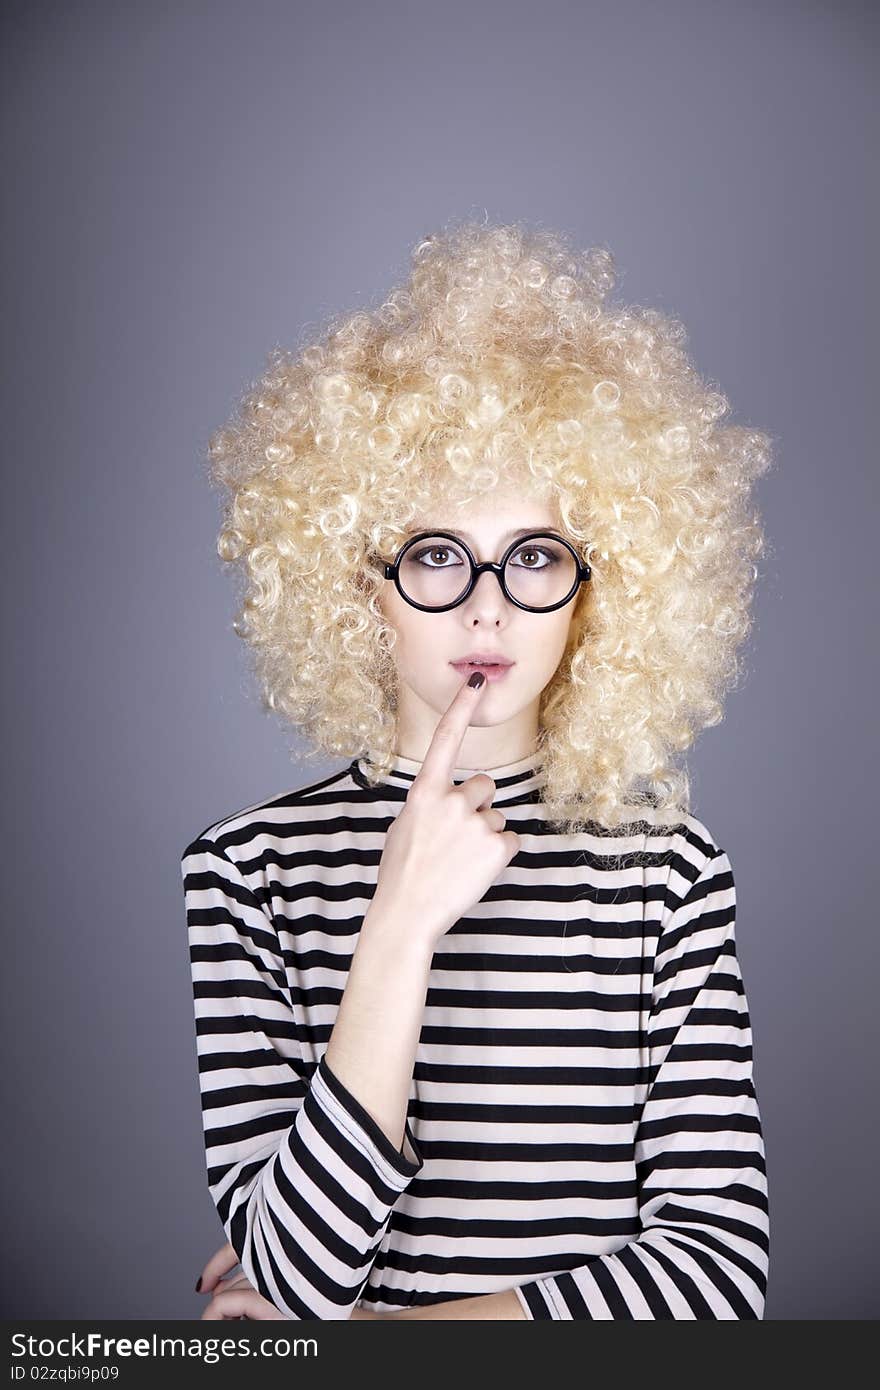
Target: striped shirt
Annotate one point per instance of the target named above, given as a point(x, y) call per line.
point(582, 1123)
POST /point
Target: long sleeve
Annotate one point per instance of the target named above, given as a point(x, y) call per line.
point(303, 1178)
point(703, 1247)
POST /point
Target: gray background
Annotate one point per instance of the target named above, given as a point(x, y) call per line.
point(188, 185)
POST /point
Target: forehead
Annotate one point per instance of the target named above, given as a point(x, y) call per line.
point(490, 519)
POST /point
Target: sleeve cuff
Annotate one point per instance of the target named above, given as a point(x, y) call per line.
point(537, 1300)
point(396, 1167)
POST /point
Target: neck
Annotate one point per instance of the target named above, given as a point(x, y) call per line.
point(471, 755)
point(494, 745)
point(520, 777)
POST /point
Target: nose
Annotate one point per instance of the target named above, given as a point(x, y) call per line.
point(487, 596)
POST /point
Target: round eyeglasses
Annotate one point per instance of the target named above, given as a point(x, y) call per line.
point(435, 571)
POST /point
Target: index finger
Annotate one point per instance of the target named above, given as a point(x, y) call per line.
point(440, 759)
point(220, 1263)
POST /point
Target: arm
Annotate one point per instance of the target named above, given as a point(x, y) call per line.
point(703, 1205)
point(489, 1307)
point(302, 1174)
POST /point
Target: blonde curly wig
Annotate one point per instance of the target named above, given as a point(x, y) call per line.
point(500, 360)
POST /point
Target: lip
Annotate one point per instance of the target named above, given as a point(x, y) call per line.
point(492, 673)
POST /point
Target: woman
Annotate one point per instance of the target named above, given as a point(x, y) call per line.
point(472, 1034)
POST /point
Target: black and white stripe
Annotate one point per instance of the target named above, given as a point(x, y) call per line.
point(582, 1126)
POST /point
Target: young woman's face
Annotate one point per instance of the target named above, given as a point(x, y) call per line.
point(505, 723)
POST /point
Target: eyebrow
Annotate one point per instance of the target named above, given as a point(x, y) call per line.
point(509, 535)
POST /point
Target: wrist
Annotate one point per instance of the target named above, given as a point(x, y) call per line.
point(388, 929)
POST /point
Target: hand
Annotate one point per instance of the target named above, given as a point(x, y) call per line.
point(237, 1298)
point(233, 1298)
point(448, 844)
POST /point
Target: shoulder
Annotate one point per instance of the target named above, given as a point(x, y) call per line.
point(695, 843)
point(684, 836)
point(699, 884)
point(684, 855)
point(280, 815)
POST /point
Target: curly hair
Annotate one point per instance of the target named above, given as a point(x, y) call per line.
point(499, 360)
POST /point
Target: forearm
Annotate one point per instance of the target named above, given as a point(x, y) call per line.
point(372, 1047)
point(490, 1307)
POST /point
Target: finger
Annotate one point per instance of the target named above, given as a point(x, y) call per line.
point(443, 750)
point(214, 1312)
point(235, 1281)
point(495, 819)
point(220, 1263)
point(478, 791)
point(241, 1303)
point(513, 841)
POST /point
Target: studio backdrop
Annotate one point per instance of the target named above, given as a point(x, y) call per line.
point(193, 186)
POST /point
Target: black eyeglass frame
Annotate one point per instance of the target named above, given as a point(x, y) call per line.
point(392, 571)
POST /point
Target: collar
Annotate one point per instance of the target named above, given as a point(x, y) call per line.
point(512, 780)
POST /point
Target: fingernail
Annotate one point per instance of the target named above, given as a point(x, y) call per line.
point(476, 680)
point(199, 1284)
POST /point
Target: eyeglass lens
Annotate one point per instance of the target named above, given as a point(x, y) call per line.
point(540, 573)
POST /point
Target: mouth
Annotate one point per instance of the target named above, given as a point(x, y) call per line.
point(492, 670)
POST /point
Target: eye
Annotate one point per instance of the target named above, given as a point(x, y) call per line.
point(534, 550)
point(436, 550)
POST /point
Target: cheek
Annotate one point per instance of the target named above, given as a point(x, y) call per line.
point(418, 639)
point(555, 651)
point(550, 641)
point(394, 611)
